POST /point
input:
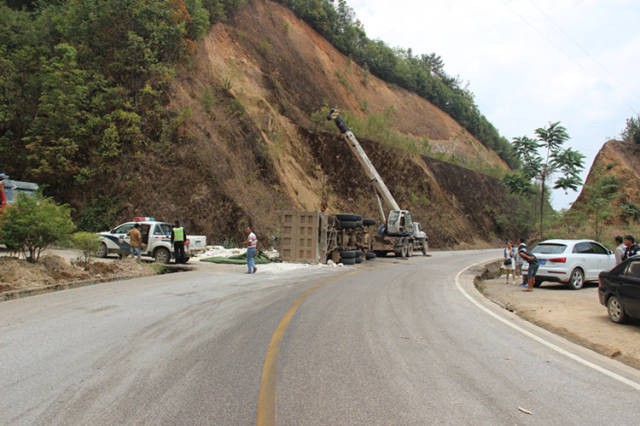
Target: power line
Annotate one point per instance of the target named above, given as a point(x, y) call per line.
point(560, 29)
point(569, 56)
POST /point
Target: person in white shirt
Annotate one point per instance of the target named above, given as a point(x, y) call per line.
point(620, 249)
point(252, 247)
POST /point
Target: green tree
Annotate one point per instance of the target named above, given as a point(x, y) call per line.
point(631, 132)
point(599, 196)
point(31, 224)
point(553, 160)
point(631, 212)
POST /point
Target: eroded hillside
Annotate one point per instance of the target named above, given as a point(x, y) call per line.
point(622, 160)
point(249, 146)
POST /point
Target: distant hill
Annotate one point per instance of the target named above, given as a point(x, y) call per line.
point(622, 160)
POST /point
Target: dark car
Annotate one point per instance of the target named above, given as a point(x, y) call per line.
point(619, 290)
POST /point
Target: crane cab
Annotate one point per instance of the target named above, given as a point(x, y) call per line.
point(399, 222)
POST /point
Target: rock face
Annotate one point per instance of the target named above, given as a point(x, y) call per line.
point(250, 143)
point(622, 160)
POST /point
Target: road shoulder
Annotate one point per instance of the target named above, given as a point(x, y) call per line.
point(556, 339)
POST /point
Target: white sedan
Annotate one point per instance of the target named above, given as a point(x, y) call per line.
point(570, 261)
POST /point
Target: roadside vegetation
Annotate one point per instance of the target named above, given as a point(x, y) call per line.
point(84, 90)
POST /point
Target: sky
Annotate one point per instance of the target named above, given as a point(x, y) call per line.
point(529, 62)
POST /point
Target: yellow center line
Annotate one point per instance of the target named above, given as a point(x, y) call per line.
point(266, 415)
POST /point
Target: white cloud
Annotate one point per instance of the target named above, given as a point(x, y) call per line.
point(529, 62)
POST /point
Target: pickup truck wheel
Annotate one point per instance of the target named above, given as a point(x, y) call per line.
point(102, 251)
point(616, 312)
point(162, 255)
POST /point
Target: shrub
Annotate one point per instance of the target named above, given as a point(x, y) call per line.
point(32, 224)
point(88, 242)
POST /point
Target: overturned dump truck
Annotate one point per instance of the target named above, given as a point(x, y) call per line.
point(316, 237)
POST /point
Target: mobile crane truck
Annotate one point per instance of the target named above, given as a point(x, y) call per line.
point(314, 236)
point(399, 234)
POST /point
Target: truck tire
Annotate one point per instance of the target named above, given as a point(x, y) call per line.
point(368, 222)
point(348, 254)
point(103, 251)
point(409, 250)
point(348, 261)
point(161, 255)
point(350, 224)
point(348, 217)
point(370, 255)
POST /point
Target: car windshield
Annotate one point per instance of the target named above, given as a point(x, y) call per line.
point(549, 248)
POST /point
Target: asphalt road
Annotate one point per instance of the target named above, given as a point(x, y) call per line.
point(390, 342)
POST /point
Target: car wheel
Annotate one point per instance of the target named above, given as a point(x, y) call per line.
point(577, 279)
point(537, 283)
point(102, 251)
point(616, 312)
point(162, 255)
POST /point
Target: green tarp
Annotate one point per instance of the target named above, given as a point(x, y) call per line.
point(241, 259)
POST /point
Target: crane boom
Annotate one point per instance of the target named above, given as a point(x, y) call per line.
point(370, 170)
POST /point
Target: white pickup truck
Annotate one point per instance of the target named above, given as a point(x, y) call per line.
point(156, 240)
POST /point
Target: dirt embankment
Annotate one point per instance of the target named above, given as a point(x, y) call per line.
point(51, 270)
point(576, 315)
point(248, 148)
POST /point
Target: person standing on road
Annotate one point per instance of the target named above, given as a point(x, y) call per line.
point(508, 264)
point(531, 260)
point(252, 247)
point(619, 250)
point(178, 238)
point(135, 241)
point(518, 261)
point(632, 248)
